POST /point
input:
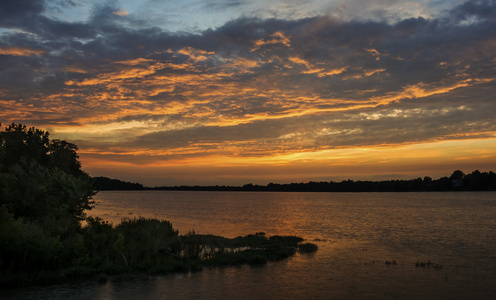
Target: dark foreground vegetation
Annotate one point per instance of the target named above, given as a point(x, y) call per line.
point(45, 235)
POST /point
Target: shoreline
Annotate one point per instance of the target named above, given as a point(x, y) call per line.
point(193, 253)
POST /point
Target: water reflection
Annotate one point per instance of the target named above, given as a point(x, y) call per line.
point(358, 233)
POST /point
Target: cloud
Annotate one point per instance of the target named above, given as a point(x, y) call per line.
point(20, 51)
point(121, 12)
point(223, 5)
point(474, 11)
point(275, 38)
point(252, 87)
point(391, 11)
point(12, 9)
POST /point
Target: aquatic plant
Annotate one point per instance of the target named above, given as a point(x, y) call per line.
point(428, 264)
point(307, 248)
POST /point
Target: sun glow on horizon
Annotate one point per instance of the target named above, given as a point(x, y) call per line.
point(365, 163)
point(273, 93)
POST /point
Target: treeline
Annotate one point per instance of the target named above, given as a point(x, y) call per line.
point(108, 184)
point(457, 181)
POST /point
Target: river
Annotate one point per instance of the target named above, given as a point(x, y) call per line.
point(371, 246)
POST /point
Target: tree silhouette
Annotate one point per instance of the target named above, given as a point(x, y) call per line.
point(457, 175)
point(40, 178)
point(19, 143)
point(63, 156)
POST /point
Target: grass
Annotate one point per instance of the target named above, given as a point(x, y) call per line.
point(152, 247)
point(307, 248)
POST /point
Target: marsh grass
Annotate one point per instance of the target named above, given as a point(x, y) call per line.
point(101, 250)
point(307, 248)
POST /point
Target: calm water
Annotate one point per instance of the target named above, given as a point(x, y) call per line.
point(359, 233)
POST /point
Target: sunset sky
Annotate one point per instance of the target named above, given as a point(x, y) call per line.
point(233, 92)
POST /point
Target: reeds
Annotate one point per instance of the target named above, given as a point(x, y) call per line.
point(151, 246)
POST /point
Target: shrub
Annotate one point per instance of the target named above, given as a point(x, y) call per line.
point(307, 248)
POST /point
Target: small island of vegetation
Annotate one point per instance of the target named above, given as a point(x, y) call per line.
point(45, 235)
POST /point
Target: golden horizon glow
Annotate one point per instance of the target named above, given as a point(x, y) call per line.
point(257, 98)
point(362, 163)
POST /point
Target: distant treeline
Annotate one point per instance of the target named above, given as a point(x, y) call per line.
point(107, 184)
point(457, 181)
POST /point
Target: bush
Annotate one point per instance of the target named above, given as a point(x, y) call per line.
point(307, 248)
point(143, 238)
point(26, 246)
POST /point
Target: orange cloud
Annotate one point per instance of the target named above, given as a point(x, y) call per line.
point(195, 54)
point(126, 73)
point(319, 71)
point(74, 69)
point(134, 62)
point(425, 90)
point(276, 38)
point(20, 51)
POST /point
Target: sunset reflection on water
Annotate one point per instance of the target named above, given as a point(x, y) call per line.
point(369, 245)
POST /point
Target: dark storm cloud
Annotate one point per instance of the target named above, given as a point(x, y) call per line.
point(12, 10)
point(478, 10)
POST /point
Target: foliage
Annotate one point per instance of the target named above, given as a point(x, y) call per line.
point(307, 248)
point(18, 143)
point(41, 180)
point(34, 192)
point(144, 238)
point(26, 245)
point(108, 184)
point(458, 181)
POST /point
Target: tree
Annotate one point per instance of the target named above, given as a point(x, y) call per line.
point(457, 175)
point(63, 156)
point(40, 179)
point(20, 143)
